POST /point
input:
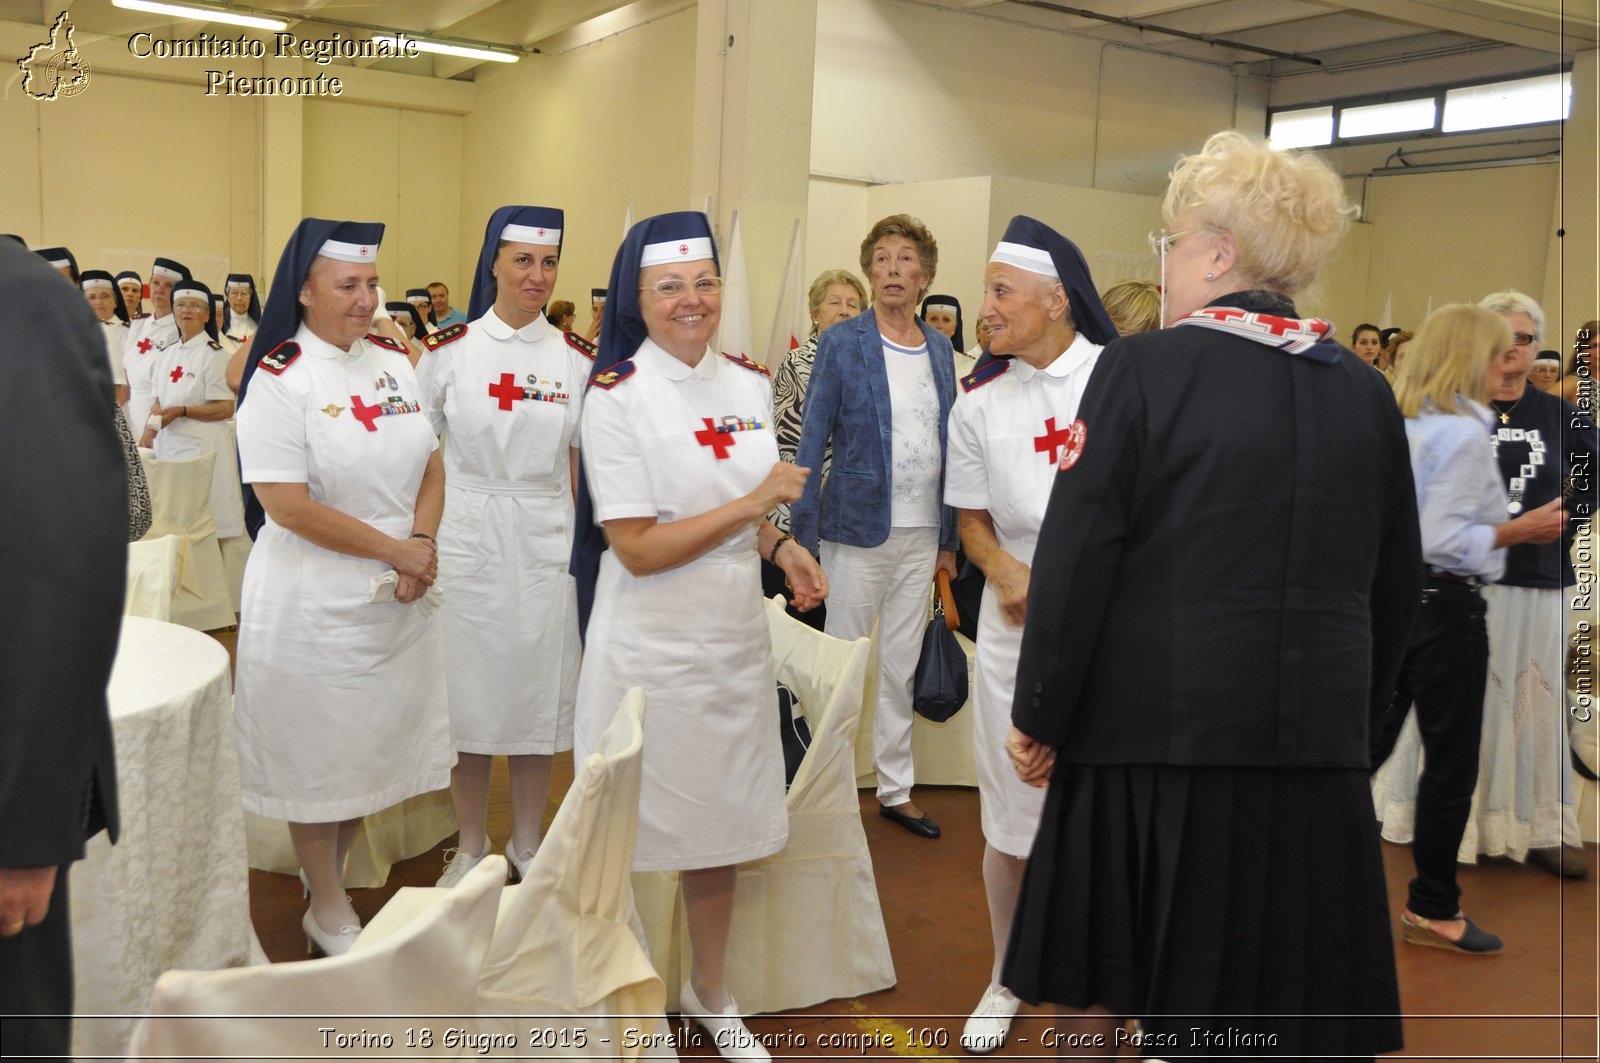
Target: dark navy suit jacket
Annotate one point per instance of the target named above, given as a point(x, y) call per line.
point(847, 405)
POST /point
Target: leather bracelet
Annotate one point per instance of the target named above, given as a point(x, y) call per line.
point(425, 535)
point(772, 555)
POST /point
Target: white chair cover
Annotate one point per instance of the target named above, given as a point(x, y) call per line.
point(565, 943)
point(941, 752)
point(397, 833)
point(807, 926)
point(180, 498)
point(427, 969)
point(152, 577)
point(235, 555)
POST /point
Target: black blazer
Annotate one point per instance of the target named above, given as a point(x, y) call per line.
point(1228, 574)
point(63, 551)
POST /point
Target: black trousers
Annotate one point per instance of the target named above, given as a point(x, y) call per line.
point(1443, 677)
point(36, 982)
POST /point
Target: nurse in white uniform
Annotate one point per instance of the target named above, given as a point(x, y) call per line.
point(131, 285)
point(193, 403)
point(243, 315)
point(1010, 430)
point(147, 337)
point(101, 291)
point(340, 707)
point(505, 391)
point(681, 468)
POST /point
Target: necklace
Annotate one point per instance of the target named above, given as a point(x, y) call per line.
point(1506, 412)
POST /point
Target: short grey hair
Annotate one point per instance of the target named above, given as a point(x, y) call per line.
point(1514, 302)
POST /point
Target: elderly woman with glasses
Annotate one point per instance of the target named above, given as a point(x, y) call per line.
point(1216, 604)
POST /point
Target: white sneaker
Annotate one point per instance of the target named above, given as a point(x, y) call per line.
point(986, 1031)
point(458, 863)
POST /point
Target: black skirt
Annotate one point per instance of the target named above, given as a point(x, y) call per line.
point(1233, 911)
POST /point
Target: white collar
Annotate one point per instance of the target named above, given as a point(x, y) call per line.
point(531, 332)
point(651, 355)
point(318, 347)
point(199, 337)
point(1077, 354)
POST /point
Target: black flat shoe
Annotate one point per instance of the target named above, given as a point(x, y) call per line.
point(1415, 930)
point(922, 828)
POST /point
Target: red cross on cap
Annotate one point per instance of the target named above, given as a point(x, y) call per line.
point(541, 232)
point(683, 249)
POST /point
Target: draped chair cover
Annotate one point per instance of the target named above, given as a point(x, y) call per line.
point(180, 499)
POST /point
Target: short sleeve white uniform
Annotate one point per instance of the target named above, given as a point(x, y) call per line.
point(147, 337)
point(190, 373)
point(670, 442)
point(116, 331)
point(340, 707)
point(507, 401)
point(1006, 440)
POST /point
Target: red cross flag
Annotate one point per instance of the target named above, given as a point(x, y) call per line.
point(736, 335)
point(791, 320)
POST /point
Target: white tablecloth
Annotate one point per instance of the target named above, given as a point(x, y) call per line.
point(174, 890)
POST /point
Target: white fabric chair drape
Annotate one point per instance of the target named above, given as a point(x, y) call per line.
point(397, 833)
point(565, 942)
point(180, 498)
point(152, 577)
point(424, 975)
point(807, 925)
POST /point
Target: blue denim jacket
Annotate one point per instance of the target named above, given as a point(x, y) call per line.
point(847, 404)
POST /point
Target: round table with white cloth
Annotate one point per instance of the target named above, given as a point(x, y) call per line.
point(174, 890)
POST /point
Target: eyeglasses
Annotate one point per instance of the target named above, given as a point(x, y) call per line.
point(1161, 240)
point(1522, 339)
point(673, 289)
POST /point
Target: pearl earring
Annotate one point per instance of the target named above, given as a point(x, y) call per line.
point(1211, 276)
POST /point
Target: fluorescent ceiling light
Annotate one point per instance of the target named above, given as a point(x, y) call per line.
point(458, 50)
point(1399, 116)
point(202, 14)
point(1522, 102)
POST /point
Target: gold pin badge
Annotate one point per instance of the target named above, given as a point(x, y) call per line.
point(332, 411)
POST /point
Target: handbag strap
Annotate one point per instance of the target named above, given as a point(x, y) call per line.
point(947, 600)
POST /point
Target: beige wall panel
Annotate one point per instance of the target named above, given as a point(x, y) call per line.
point(836, 220)
point(589, 131)
point(907, 93)
point(956, 212)
point(1110, 228)
point(1342, 294)
point(1457, 235)
point(1152, 109)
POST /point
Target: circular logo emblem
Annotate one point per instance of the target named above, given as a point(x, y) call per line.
point(68, 73)
point(541, 232)
point(1074, 448)
point(683, 249)
point(363, 250)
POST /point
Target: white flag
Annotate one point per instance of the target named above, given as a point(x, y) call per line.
point(736, 335)
point(1428, 312)
point(791, 320)
point(1386, 319)
point(627, 221)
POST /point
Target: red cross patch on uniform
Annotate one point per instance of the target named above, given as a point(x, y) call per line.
point(1073, 450)
point(581, 345)
point(280, 357)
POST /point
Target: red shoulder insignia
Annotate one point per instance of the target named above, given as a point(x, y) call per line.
point(386, 343)
point(613, 376)
point(581, 345)
point(280, 357)
point(983, 374)
point(740, 359)
point(434, 340)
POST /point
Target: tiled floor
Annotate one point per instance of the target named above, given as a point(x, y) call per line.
point(1537, 1000)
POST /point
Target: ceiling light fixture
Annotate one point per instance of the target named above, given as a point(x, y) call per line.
point(202, 14)
point(461, 51)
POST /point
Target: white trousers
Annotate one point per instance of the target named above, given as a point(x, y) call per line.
point(889, 585)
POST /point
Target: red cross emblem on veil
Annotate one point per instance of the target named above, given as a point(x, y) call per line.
point(363, 250)
point(541, 232)
point(683, 249)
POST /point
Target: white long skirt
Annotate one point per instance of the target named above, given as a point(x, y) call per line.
point(340, 707)
point(1009, 807)
point(1525, 793)
point(695, 638)
point(510, 620)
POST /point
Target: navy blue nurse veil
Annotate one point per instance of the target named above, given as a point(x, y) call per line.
point(622, 330)
point(280, 319)
point(58, 257)
point(193, 289)
point(529, 225)
point(236, 280)
point(951, 301)
point(99, 278)
point(1089, 315)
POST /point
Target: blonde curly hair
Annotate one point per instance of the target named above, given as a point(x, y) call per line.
point(1286, 210)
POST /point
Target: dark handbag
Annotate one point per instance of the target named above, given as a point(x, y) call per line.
point(939, 688)
point(793, 731)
